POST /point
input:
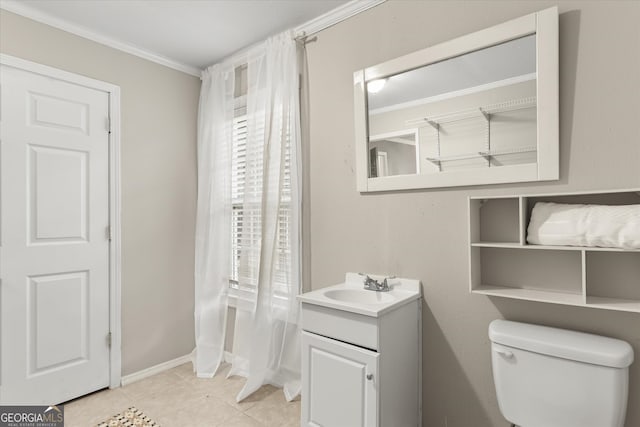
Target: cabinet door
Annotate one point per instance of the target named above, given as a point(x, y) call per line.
point(339, 383)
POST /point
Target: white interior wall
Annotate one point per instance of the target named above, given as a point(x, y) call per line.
point(158, 160)
point(423, 233)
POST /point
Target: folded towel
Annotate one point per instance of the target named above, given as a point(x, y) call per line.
point(585, 225)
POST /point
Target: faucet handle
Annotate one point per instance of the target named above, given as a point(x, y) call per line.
point(370, 283)
point(385, 282)
point(374, 285)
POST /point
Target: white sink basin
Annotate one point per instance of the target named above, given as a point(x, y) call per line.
point(362, 296)
point(352, 297)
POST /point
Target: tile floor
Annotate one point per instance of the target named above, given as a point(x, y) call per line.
point(177, 398)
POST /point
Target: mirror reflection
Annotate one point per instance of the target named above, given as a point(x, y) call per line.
point(394, 153)
point(476, 110)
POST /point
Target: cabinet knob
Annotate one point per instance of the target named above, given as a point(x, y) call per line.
point(369, 377)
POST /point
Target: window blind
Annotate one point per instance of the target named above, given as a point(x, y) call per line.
point(246, 196)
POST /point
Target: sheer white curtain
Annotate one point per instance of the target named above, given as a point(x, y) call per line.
point(213, 217)
point(266, 196)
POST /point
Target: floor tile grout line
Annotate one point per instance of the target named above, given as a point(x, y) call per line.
point(255, 419)
point(110, 401)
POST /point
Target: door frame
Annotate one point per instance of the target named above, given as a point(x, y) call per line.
point(115, 325)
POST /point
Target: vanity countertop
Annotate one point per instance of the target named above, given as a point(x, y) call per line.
point(352, 297)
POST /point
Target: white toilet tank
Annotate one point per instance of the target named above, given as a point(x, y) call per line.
point(548, 377)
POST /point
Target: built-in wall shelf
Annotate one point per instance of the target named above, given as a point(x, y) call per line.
point(549, 248)
point(503, 264)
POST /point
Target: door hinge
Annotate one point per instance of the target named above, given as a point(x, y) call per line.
point(108, 124)
point(109, 339)
point(108, 233)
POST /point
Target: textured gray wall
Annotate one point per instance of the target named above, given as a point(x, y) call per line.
point(158, 159)
point(423, 234)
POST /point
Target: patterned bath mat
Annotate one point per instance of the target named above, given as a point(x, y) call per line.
point(132, 417)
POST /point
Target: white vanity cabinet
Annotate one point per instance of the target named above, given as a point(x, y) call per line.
point(361, 361)
point(340, 383)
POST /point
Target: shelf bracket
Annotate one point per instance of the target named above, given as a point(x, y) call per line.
point(486, 115)
point(486, 155)
point(434, 161)
point(433, 124)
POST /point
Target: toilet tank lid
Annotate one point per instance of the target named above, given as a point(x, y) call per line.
point(571, 345)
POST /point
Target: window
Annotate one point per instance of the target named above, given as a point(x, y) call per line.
point(246, 215)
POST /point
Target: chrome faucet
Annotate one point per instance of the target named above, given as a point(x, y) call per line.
point(371, 284)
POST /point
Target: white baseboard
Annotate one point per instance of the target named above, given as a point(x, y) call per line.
point(137, 376)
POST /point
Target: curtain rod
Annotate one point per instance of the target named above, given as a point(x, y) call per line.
point(300, 38)
point(304, 38)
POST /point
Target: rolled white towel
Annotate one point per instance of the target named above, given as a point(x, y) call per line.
point(585, 225)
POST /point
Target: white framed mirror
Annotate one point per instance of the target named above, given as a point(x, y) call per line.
point(479, 109)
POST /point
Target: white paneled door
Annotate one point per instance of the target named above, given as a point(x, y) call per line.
point(54, 235)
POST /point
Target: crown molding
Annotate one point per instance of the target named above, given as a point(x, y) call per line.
point(45, 18)
point(336, 16)
point(313, 26)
